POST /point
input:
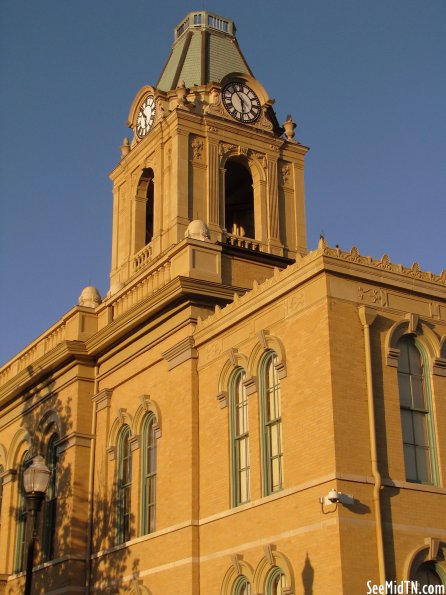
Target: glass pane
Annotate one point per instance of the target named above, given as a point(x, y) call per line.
point(409, 461)
point(417, 392)
point(403, 360)
point(274, 444)
point(275, 473)
point(414, 359)
point(419, 424)
point(423, 464)
point(243, 455)
point(407, 426)
point(244, 496)
point(405, 390)
point(426, 575)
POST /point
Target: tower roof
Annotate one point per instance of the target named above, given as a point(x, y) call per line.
point(204, 49)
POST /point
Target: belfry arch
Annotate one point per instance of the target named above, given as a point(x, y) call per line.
point(239, 198)
point(144, 211)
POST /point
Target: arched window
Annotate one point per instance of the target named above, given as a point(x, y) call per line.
point(124, 485)
point(239, 199)
point(145, 210)
point(149, 474)
point(239, 438)
point(242, 586)
point(271, 421)
point(276, 582)
point(415, 407)
point(19, 562)
point(50, 508)
point(426, 575)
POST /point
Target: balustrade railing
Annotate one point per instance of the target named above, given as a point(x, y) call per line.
point(142, 258)
point(241, 242)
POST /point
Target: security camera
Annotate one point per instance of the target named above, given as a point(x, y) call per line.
point(333, 496)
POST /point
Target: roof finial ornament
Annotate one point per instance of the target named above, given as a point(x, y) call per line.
point(182, 91)
point(289, 127)
point(125, 147)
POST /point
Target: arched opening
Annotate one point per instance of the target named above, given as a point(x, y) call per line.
point(416, 415)
point(426, 575)
point(146, 195)
point(239, 199)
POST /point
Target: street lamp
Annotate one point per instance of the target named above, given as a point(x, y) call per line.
point(35, 482)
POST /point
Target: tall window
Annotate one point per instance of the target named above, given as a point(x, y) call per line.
point(1, 493)
point(416, 419)
point(276, 582)
point(271, 419)
point(20, 541)
point(242, 586)
point(239, 199)
point(149, 474)
point(239, 438)
point(124, 485)
point(50, 509)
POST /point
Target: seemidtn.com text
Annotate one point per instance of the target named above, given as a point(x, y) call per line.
point(404, 588)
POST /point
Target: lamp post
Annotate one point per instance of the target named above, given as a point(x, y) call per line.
point(35, 483)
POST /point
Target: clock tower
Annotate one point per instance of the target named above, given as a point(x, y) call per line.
point(210, 186)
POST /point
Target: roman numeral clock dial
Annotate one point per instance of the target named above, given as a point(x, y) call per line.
point(241, 102)
point(146, 116)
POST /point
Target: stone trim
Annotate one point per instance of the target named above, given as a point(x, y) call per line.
point(181, 352)
point(8, 475)
point(74, 439)
point(222, 399)
point(102, 399)
point(111, 453)
point(135, 443)
point(335, 254)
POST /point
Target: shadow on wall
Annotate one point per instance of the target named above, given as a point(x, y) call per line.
point(308, 577)
point(63, 534)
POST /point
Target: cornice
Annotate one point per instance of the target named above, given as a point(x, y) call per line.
point(62, 354)
point(330, 260)
point(177, 290)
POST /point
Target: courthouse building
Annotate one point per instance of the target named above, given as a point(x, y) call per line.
point(238, 414)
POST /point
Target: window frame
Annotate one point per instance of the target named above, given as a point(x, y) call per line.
point(237, 390)
point(240, 583)
point(270, 426)
point(21, 515)
point(124, 486)
point(149, 474)
point(1, 493)
point(416, 411)
point(274, 574)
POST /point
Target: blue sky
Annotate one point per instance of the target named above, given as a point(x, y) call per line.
point(364, 80)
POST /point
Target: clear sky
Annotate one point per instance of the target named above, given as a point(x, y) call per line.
point(364, 79)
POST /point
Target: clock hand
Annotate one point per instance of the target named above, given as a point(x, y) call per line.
point(241, 100)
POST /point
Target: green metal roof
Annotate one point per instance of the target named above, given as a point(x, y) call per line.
point(205, 49)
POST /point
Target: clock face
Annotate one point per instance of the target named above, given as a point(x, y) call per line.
point(241, 102)
point(146, 115)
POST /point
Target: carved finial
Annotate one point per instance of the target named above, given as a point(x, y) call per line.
point(289, 127)
point(182, 91)
point(322, 243)
point(125, 147)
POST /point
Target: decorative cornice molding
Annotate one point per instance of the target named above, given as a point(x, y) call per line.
point(335, 254)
